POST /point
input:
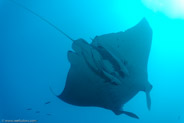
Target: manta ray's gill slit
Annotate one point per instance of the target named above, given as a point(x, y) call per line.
point(42, 18)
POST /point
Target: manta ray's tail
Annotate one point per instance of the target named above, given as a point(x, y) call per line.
point(42, 18)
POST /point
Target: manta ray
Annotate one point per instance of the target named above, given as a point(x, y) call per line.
point(109, 71)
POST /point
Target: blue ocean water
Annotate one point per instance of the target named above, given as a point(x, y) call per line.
point(33, 58)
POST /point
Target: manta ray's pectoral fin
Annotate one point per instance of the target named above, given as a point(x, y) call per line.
point(130, 114)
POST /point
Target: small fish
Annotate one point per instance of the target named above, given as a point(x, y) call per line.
point(37, 112)
point(49, 114)
point(29, 109)
point(47, 102)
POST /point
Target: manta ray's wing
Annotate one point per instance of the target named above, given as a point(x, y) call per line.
point(132, 46)
point(80, 88)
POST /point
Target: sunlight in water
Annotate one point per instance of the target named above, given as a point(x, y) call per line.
point(172, 8)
